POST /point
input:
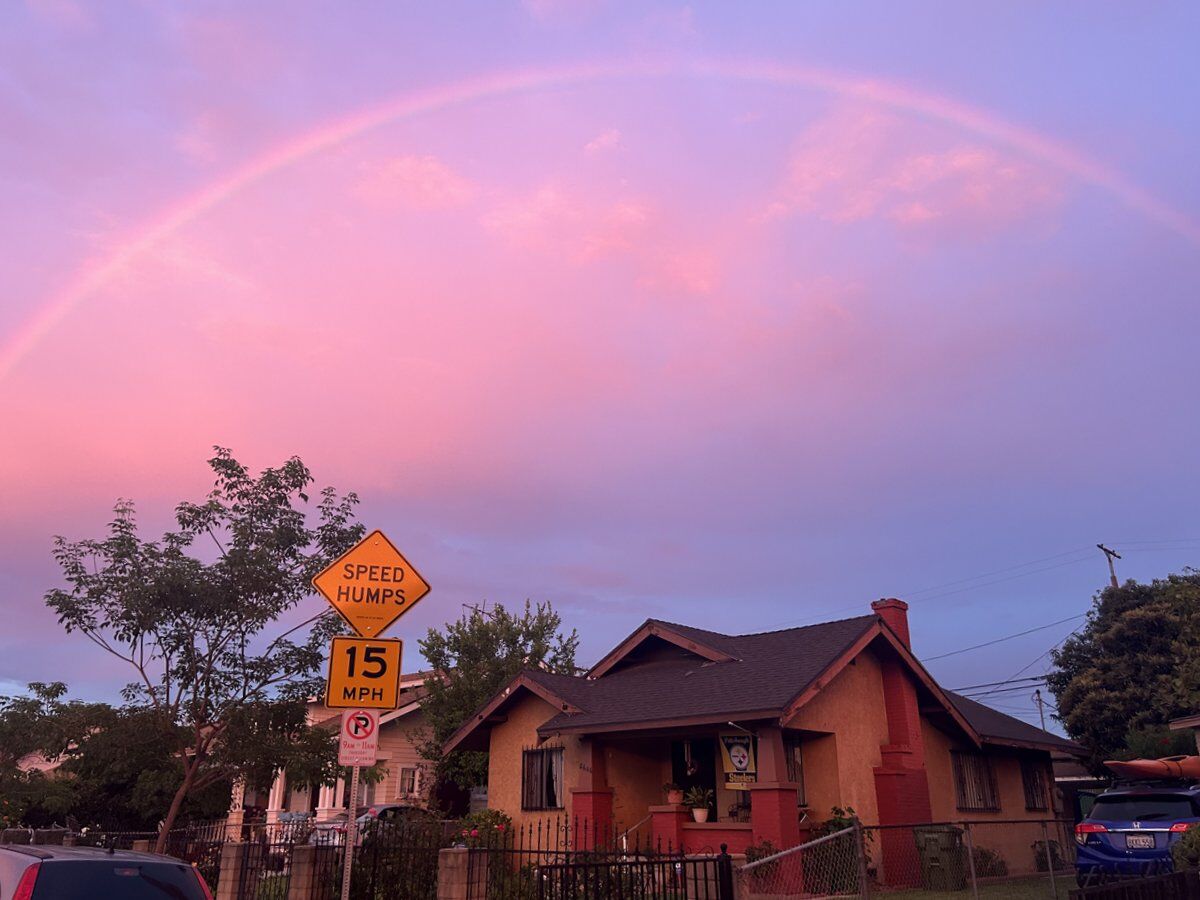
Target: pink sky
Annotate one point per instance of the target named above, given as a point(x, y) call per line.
point(741, 321)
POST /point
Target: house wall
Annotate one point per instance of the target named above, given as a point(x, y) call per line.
point(1012, 840)
point(850, 709)
point(508, 740)
point(637, 771)
point(397, 750)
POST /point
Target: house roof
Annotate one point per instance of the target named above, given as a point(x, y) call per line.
point(687, 676)
point(997, 728)
point(764, 672)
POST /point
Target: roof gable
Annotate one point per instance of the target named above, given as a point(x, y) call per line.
point(704, 644)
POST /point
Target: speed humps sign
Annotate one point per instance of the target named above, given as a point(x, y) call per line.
point(363, 672)
point(371, 585)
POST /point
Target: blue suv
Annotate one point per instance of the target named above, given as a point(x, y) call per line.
point(1129, 831)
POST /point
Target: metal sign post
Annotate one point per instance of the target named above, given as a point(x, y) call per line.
point(358, 745)
point(351, 834)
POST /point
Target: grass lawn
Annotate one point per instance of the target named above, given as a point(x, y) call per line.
point(1034, 887)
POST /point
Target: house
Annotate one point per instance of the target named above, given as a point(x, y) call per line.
point(839, 714)
point(399, 729)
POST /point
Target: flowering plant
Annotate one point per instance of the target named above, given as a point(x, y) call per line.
point(486, 828)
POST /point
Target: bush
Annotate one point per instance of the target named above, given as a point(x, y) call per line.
point(485, 828)
point(1056, 855)
point(1185, 852)
point(988, 863)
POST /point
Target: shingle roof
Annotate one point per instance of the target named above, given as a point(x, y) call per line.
point(993, 724)
point(768, 670)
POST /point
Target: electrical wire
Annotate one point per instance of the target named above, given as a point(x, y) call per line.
point(1001, 640)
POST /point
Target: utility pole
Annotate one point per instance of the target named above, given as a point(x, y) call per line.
point(1037, 698)
point(1112, 571)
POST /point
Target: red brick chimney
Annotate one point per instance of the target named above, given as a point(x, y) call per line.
point(895, 615)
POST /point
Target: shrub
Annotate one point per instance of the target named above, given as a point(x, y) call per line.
point(485, 828)
point(988, 863)
point(1056, 856)
point(1185, 852)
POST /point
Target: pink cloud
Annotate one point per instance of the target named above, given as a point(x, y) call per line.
point(66, 14)
point(605, 140)
point(858, 164)
point(420, 182)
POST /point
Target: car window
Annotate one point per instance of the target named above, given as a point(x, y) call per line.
point(116, 879)
point(1142, 807)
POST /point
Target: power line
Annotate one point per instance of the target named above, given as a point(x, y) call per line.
point(1008, 637)
point(1033, 562)
point(988, 684)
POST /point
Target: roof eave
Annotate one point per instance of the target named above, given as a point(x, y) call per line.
point(523, 680)
point(654, 628)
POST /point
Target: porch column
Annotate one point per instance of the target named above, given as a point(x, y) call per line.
point(592, 799)
point(277, 797)
point(773, 813)
point(236, 816)
point(326, 806)
point(666, 825)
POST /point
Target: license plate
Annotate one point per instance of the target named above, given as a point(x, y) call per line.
point(1139, 841)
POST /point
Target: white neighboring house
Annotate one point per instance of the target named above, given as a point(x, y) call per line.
point(402, 781)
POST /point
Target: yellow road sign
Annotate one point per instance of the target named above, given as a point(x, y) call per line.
point(363, 672)
point(371, 585)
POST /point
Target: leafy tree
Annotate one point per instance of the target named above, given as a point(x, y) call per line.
point(1133, 667)
point(470, 661)
point(195, 614)
point(40, 724)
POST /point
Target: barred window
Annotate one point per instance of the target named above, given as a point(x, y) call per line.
point(793, 753)
point(1033, 777)
point(541, 778)
point(975, 783)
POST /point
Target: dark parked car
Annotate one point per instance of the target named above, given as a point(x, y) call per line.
point(87, 873)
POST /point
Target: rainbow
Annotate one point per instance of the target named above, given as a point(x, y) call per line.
point(981, 123)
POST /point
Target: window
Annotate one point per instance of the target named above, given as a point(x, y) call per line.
point(408, 782)
point(795, 765)
point(1033, 777)
point(975, 782)
point(541, 778)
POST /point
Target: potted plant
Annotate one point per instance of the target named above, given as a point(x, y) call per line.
point(699, 800)
point(674, 792)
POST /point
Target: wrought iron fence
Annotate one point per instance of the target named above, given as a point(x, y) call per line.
point(573, 859)
point(266, 863)
point(392, 861)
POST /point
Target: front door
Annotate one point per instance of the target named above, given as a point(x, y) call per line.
point(694, 764)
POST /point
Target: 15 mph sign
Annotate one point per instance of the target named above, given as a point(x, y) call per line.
point(359, 741)
point(371, 585)
point(363, 672)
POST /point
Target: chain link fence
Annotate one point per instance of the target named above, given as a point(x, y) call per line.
point(1021, 859)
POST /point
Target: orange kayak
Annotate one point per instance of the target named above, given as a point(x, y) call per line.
point(1167, 767)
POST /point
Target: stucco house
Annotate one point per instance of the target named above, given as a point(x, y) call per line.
point(402, 781)
point(782, 726)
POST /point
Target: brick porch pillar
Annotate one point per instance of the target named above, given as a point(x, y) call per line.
point(592, 800)
point(901, 782)
point(774, 815)
point(666, 825)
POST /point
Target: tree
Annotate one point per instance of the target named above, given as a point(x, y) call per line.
point(1133, 667)
point(474, 658)
point(196, 615)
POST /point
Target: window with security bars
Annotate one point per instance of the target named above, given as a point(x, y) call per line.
point(975, 783)
point(1033, 777)
point(542, 778)
point(792, 752)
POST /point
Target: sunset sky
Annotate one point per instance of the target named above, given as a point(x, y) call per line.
point(738, 315)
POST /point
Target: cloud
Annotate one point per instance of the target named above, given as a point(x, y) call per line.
point(420, 182)
point(605, 140)
point(582, 225)
point(861, 164)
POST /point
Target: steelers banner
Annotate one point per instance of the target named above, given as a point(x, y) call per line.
point(738, 756)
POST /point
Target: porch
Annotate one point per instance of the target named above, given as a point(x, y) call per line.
point(754, 775)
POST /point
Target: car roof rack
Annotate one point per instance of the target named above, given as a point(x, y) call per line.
point(1122, 783)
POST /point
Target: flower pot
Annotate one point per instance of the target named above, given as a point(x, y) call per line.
point(700, 813)
point(675, 797)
